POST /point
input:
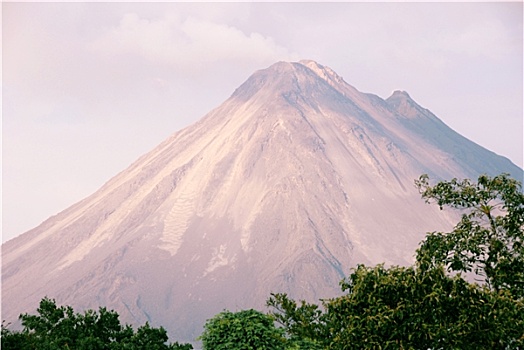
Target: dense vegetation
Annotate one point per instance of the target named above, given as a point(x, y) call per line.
point(422, 306)
point(247, 329)
point(55, 328)
point(430, 305)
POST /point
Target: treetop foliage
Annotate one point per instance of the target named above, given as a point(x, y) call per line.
point(422, 306)
point(489, 238)
point(60, 327)
point(246, 329)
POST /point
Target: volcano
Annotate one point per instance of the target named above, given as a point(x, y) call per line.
point(293, 180)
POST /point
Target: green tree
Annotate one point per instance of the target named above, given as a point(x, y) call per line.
point(404, 307)
point(60, 327)
point(13, 340)
point(303, 324)
point(422, 306)
point(242, 330)
point(489, 238)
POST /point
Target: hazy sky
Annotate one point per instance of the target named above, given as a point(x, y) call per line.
point(89, 87)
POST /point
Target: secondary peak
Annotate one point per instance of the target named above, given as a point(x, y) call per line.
point(400, 94)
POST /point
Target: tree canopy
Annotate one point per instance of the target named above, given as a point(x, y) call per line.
point(422, 306)
point(242, 330)
point(60, 327)
point(489, 238)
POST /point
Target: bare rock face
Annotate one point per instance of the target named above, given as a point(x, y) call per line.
point(284, 187)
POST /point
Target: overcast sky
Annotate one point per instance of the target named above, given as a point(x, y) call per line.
point(87, 88)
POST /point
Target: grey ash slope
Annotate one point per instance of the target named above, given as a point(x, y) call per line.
point(283, 188)
point(471, 156)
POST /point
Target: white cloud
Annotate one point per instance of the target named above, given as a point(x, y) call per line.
point(213, 41)
point(187, 43)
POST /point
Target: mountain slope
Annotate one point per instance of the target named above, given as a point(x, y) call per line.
point(294, 179)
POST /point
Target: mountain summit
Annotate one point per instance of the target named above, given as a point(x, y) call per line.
point(284, 187)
